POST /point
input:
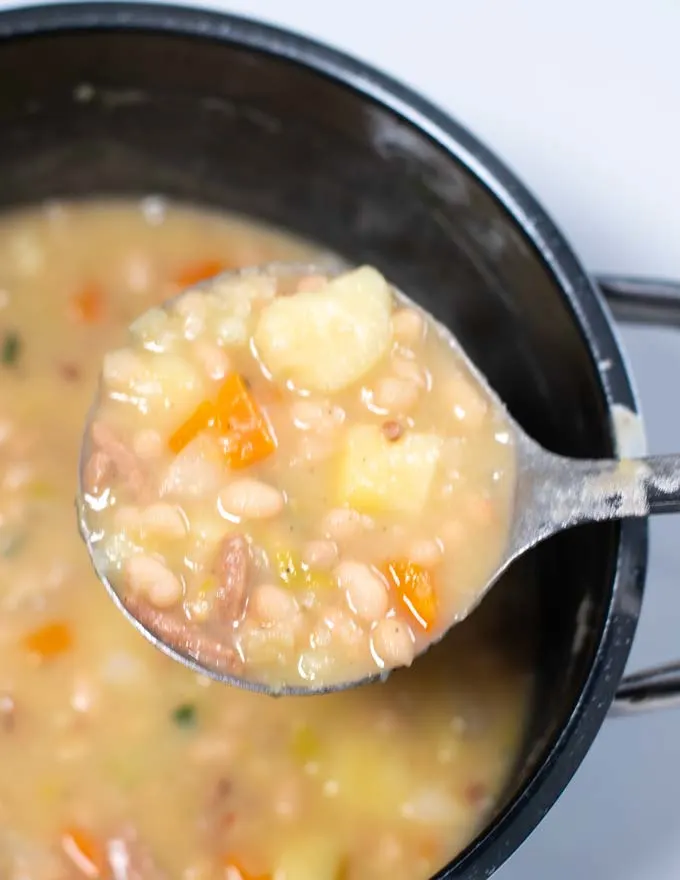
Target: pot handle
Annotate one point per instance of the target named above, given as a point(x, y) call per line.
point(652, 303)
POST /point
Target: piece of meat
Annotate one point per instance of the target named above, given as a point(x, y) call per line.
point(126, 463)
point(70, 371)
point(129, 859)
point(231, 569)
point(187, 638)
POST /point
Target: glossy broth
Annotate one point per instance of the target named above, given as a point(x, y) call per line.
point(115, 758)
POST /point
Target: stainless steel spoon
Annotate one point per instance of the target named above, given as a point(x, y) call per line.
point(552, 493)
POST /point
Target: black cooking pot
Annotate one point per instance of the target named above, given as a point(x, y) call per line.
point(123, 98)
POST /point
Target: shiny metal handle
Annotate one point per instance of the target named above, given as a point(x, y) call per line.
point(651, 303)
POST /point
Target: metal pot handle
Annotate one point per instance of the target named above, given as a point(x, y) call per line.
point(652, 303)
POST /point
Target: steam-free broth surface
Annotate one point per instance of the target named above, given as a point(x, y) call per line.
point(294, 477)
point(117, 762)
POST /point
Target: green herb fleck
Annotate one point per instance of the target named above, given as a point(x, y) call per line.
point(185, 715)
point(11, 542)
point(10, 349)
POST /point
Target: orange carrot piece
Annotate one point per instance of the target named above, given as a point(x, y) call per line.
point(199, 271)
point(87, 306)
point(234, 870)
point(203, 417)
point(249, 437)
point(240, 421)
point(415, 588)
point(50, 640)
point(85, 852)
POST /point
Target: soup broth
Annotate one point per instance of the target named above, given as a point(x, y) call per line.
point(117, 762)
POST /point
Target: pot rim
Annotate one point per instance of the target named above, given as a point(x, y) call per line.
point(562, 756)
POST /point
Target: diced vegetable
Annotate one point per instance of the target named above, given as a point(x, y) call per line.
point(194, 273)
point(237, 416)
point(373, 778)
point(305, 744)
point(329, 339)
point(311, 858)
point(297, 575)
point(203, 417)
point(414, 586)
point(50, 640)
point(85, 852)
point(185, 715)
point(381, 475)
point(10, 349)
point(87, 305)
point(234, 870)
point(250, 438)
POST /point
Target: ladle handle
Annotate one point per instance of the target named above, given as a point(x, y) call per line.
point(655, 303)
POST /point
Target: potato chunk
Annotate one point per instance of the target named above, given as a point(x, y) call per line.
point(326, 340)
point(310, 858)
point(382, 475)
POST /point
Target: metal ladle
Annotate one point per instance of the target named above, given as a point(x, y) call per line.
point(552, 493)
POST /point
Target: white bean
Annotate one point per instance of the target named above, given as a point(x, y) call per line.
point(313, 448)
point(127, 518)
point(164, 520)
point(408, 326)
point(407, 368)
point(147, 443)
point(213, 359)
point(321, 416)
point(320, 554)
point(426, 552)
point(468, 404)
point(250, 499)
point(232, 330)
point(272, 604)
point(341, 626)
point(394, 395)
point(343, 523)
point(192, 307)
point(365, 591)
point(151, 578)
point(122, 369)
point(392, 643)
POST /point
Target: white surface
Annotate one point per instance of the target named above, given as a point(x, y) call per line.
point(583, 100)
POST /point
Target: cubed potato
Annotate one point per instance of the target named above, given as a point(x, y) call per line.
point(310, 858)
point(165, 387)
point(382, 475)
point(328, 339)
point(373, 781)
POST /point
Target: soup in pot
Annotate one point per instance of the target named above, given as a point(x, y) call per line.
point(120, 764)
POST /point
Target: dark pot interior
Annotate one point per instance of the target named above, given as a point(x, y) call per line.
point(89, 111)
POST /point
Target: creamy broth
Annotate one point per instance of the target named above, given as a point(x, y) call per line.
point(117, 762)
point(296, 478)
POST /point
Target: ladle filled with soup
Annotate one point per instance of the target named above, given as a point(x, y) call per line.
point(119, 763)
point(295, 477)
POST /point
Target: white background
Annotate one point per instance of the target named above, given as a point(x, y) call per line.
point(582, 99)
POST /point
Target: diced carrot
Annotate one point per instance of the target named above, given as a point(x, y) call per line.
point(87, 305)
point(85, 852)
point(415, 588)
point(249, 437)
point(234, 870)
point(203, 417)
point(239, 419)
point(50, 640)
point(199, 271)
